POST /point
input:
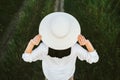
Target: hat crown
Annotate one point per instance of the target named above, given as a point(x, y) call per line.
point(60, 27)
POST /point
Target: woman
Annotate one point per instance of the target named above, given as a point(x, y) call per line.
point(59, 49)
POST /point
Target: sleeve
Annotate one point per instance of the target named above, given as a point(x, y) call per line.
point(83, 54)
point(37, 54)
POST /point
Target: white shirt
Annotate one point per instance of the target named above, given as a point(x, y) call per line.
point(60, 68)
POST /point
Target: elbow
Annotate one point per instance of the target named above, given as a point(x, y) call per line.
point(93, 59)
point(27, 58)
point(97, 59)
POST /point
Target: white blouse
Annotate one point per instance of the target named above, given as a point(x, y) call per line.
point(60, 68)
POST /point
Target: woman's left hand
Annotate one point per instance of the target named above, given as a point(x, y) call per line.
point(82, 40)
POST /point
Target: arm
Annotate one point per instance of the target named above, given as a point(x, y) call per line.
point(90, 55)
point(31, 55)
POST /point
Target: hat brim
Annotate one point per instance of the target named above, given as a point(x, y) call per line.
point(61, 43)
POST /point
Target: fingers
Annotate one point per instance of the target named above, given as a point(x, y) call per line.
point(81, 40)
point(81, 37)
point(39, 36)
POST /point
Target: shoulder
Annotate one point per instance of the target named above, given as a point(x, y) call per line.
point(76, 46)
point(78, 49)
point(42, 47)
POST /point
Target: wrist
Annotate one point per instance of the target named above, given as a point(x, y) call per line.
point(32, 42)
point(29, 47)
point(87, 42)
point(89, 46)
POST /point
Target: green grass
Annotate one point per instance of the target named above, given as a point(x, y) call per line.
point(11, 64)
point(100, 23)
point(99, 20)
point(8, 9)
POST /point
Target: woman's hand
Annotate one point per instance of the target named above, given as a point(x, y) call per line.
point(36, 40)
point(82, 41)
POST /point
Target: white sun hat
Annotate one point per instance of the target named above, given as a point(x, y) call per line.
point(59, 30)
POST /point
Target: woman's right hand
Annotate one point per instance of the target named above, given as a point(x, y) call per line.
point(36, 40)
